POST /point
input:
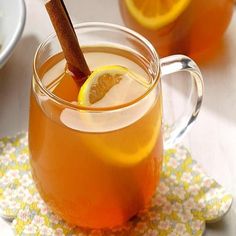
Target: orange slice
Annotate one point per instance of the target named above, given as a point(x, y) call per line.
point(102, 80)
point(154, 14)
point(126, 147)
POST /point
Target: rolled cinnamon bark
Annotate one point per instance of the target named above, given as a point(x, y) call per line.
point(68, 39)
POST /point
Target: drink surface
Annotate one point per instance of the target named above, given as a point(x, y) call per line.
point(195, 30)
point(96, 169)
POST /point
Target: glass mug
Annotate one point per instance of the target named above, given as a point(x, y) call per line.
point(195, 28)
point(98, 166)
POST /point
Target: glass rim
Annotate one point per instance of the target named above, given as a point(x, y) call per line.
point(89, 108)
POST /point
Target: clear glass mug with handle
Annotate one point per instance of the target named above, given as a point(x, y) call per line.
point(99, 166)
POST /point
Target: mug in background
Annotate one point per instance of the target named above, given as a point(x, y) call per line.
point(190, 27)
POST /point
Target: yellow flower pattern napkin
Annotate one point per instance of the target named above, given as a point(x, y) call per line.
point(185, 201)
point(16, 183)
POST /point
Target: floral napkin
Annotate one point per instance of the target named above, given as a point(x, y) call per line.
point(185, 201)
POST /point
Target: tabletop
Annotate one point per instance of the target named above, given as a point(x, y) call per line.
point(212, 139)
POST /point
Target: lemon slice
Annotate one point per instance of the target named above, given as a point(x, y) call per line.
point(131, 144)
point(154, 14)
point(128, 148)
point(104, 78)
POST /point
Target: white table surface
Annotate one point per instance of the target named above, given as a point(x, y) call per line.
point(212, 140)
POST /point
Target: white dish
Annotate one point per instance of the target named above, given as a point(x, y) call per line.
point(12, 21)
point(5, 227)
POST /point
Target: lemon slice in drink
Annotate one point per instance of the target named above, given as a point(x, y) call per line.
point(129, 144)
point(103, 79)
point(154, 14)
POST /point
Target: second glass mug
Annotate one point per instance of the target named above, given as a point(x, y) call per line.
point(195, 29)
point(104, 166)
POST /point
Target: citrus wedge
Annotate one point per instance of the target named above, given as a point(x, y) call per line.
point(154, 14)
point(104, 78)
point(130, 144)
point(125, 149)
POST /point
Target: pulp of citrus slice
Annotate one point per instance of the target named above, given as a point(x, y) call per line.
point(154, 14)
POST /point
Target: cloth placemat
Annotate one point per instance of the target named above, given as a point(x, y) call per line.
point(185, 201)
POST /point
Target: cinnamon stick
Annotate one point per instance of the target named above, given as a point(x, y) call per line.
point(67, 37)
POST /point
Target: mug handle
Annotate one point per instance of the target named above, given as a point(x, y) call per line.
point(177, 63)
